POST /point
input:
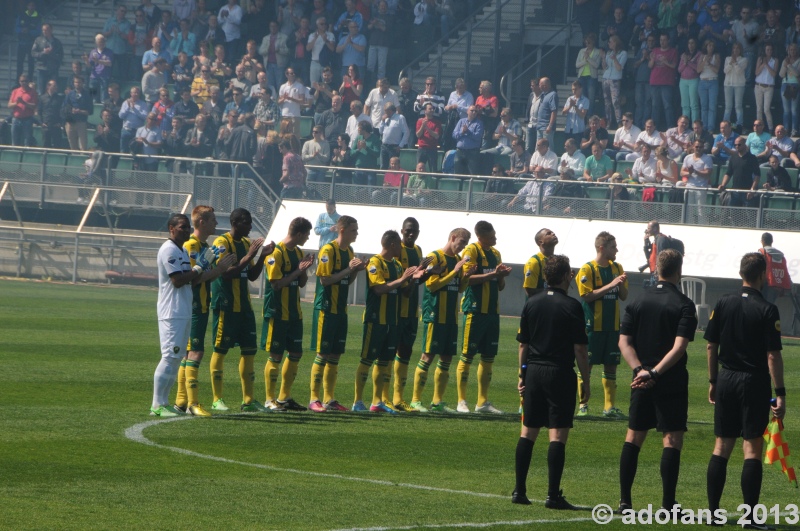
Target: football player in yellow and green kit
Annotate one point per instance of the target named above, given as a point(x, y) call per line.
point(205, 223)
point(234, 319)
point(440, 318)
point(336, 269)
point(385, 279)
point(533, 273)
point(602, 283)
point(481, 307)
point(282, 328)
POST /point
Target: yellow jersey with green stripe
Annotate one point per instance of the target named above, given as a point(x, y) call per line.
point(440, 301)
point(332, 259)
point(533, 273)
point(409, 301)
point(201, 293)
point(232, 294)
point(382, 309)
point(602, 315)
point(284, 304)
point(484, 297)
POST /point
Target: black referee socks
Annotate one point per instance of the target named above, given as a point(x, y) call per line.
point(628, 462)
point(670, 468)
point(715, 480)
point(556, 455)
point(523, 463)
point(752, 471)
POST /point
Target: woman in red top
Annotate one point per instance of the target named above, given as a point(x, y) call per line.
point(352, 86)
point(663, 65)
point(489, 106)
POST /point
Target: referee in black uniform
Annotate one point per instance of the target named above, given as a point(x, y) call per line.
point(744, 336)
point(654, 333)
point(552, 337)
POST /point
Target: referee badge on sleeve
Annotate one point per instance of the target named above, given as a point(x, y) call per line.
point(778, 326)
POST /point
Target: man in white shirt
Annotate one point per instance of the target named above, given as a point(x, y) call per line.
point(650, 136)
point(624, 138)
point(572, 161)
point(316, 41)
point(544, 164)
point(316, 152)
point(696, 172)
point(460, 99)
point(291, 96)
point(678, 139)
point(377, 99)
point(352, 123)
point(644, 169)
point(780, 144)
point(230, 20)
point(394, 134)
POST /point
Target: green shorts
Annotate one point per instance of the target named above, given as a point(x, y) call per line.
point(279, 336)
point(407, 331)
point(604, 348)
point(379, 342)
point(441, 339)
point(232, 329)
point(481, 334)
point(197, 335)
point(328, 332)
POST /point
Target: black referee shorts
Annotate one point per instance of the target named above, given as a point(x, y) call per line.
point(550, 396)
point(664, 406)
point(742, 406)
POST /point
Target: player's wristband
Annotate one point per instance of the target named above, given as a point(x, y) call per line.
point(523, 369)
point(780, 391)
point(653, 374)
point(637, 370)
point(197, 269)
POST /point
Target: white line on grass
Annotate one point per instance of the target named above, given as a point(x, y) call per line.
point(473, 525)
point(136, 434)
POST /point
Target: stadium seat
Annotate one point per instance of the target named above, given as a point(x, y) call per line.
point(695, 289)
point(408, 159)
point(304, 127)
point(478, 186)
point(764, 172)
point(716, 175)
point(10, 161)
point(56, 159)
point(623, 165)
point(597, 192)
point(793, 174)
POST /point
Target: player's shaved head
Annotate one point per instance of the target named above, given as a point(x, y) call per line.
point(389, 238)
point(201, 213)
point(299, 226)
point(412, 221)
point(669, 264)
point(752, 266)
point(556, 268)
point(538, 238)
point(239, 215)
point(175, 219)
point(483, 228)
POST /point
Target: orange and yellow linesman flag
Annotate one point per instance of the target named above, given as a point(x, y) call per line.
point(778, 449)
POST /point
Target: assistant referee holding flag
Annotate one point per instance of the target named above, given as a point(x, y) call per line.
point(654, 333)
point(744, 336)
point(552, 337)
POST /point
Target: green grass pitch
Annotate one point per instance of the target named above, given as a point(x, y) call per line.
point(76, 368)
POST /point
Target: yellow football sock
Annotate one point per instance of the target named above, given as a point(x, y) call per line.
point(287, 377)
point(400, 378)
point(192, 368)
point(376, 371)
point(609, 390)
point(441, 376)
point(581, 397)
point(484, 379)
point(317, 371)
point(180, 397)
point(380, 375)
point(247, 374)
point(362, 373)
point(217, 361)
point(462, 377)
point(420, 379)
point(271, 370)
point(329, 379)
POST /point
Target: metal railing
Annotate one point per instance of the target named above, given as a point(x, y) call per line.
point(440, 50)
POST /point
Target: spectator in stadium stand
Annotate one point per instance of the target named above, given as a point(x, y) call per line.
point(587, 63)
point(26, 28)
point(598, 166)
point(49, 113)
point(133, 114)
point(320, 10)
point(696, 173)
point(212, 34)
point(624, 138)
point(669, 13)
point(214, 107)
point(333, 121)
point(77, 109)
point(152, 11)
point(663, 65)
point(460, 99)
point(691, 25)
point(114, 104)
point(322, 93)
point(256, 20)
point(230, 19)
point(530, 192)
point(174, 144)
point(418, 188)
point(430, 94)
point(186, 108)
point(643, 93)
point(544, 162)
point(289, 14)
point(773, 33)
point(366, 153)
point(237, 103)
point(352, 85)
point(224, 132)
point(641, 34)
point(153, 80)
point(162, 107)
point(650, 136)
point(220, 68)
point(644, 172)
point(184, 41)
point(429, 134)
point(260, 86)
point(48, 53)
point(377, 99)
point(613, 64)
point(106, 138)
point(790, 69)
point(182, 73)
point(619, 27)
point(275, 51)
point(342, 25)
point(23, 102)
point(575, 109)
point(391, 181)
point(99, 61)
point(507, 130)
point(734, 83)
point(666, 168)
point(356, 116)
point(745, 34)
point(380, 28)
point(407, 97)
point(468, 134)
point(489, 112)
point(780, 146)
point(294, 173)
point(156, 52)
point(546, 111)
point(352, 48)
point(572, 162)
point(316, 152)
point(149, 138)
point(291, 97)
point(708, 66)
point(594, 134)
point(766, 70)
point(689, 80)
point(531, 113)
point(778, 178)
point(321, 38)
point(723, 143)
point(202, 58)
point(200, 139)
point(183, 9)
point(242, 143)
point(342, 157)
point(240, 81)
point(678, 139)
point(641, 9)
point(757, 141)
point(301, 59)
point(394, 134)
point(519, 160)
point(115, 34)
point(716, 27)
point(699, 131)
point(201, 85)
point(266, 111)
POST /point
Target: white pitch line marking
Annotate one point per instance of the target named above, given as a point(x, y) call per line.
point(136, 433)
point(473, 525)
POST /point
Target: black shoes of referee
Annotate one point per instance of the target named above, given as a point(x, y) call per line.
point(519, 498)
point(559, 502)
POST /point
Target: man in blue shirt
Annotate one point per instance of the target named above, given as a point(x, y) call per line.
point(133, 114)
point(326, 227)
point(724, 143)
point(352, 47)
point(545, 124)
point(468, 134)
point(394, 134)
